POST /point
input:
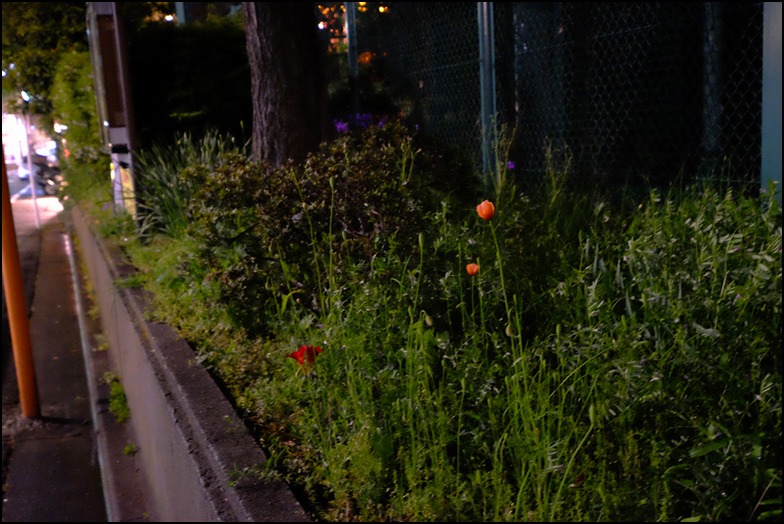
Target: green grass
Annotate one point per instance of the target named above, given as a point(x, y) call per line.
point(607, 362)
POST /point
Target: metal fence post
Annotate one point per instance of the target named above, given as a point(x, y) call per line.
point(771, 97)
point(487, 90)
point(353, 64)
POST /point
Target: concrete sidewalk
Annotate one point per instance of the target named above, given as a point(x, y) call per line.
point(72, 463)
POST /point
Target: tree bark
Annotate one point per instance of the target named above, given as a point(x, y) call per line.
point(286, 57)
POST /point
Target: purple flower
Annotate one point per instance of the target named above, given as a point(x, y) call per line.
point(510, 165)
point(341, 126)
point(363, 120)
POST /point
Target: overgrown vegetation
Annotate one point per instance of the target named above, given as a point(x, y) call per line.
point(73, 101)
point(610, 360)
point(82, 157)
point(35, 36)
point(118, 402)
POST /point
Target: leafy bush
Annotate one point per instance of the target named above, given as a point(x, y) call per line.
point(85, 166)
point(73, 101)
point(293, 232)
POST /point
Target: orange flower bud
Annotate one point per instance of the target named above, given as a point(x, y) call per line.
point(472, 269)
point(486, 210)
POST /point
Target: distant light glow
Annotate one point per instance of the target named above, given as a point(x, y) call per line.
point(169, 18)
point(25, 96)
point(322, 25)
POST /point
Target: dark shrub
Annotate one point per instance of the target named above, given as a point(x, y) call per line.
point(266, 233)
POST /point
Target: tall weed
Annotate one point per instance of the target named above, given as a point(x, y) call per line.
point(164, 190)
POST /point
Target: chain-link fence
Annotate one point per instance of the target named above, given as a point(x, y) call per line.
point(631, 92)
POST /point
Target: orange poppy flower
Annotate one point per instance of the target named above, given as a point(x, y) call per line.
point(472, 269)
point(486, 210)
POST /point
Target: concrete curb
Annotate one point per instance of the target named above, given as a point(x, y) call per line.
point(195, 455)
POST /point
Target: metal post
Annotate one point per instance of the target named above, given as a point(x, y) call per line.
point(487, 90)
point(712, 77)
point(30, 151)
point(771, 96)
point(352, 54)
point(18, 322)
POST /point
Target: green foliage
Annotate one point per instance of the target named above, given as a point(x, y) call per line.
point(652, 389)
point(163, 192)
point(265, 233)
point(35, 34)
point(118, 402)
point(695, 286)
point(73, 105)
point(610, 361)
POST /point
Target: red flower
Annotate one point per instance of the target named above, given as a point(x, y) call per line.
point(305, 353)
point(472, 269)
point(486, 210)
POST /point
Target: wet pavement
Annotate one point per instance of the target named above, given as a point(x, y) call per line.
point(66, 465)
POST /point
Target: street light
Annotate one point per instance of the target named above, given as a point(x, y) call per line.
point(26, 112)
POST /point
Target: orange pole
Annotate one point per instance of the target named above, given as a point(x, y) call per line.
point(18, 321)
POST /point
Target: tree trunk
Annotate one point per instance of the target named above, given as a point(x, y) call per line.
point(290, 108)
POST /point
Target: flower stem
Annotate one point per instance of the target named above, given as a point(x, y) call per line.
point(501, 272)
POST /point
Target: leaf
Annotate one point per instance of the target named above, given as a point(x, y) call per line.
point(675, 469)
point(706, 332)
point(713, 446)
point(284, 301)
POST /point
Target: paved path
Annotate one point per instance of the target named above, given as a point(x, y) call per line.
point(51, 470)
